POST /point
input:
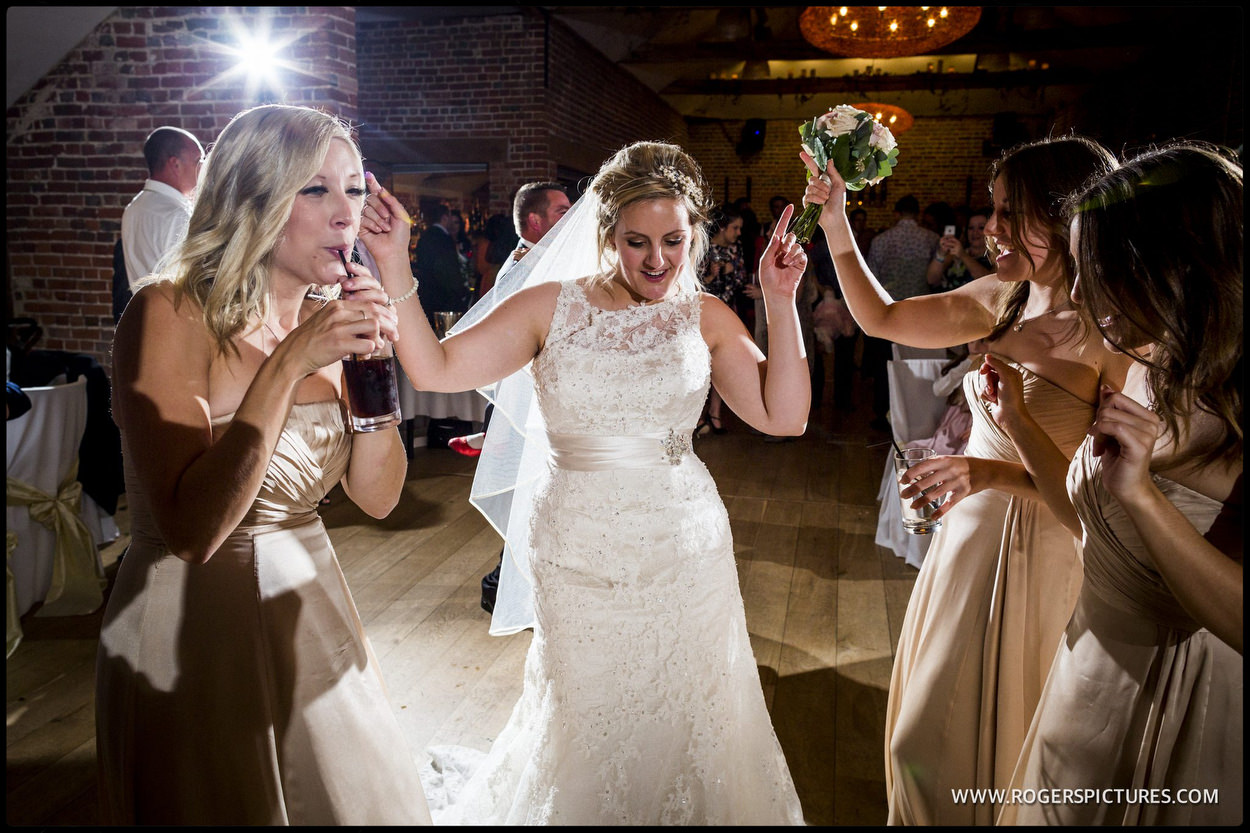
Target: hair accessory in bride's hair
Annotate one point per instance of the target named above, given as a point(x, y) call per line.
point(682, 182)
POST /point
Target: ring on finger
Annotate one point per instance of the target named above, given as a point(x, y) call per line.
point(364, 316)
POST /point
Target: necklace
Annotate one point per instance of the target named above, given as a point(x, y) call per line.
point(1019, 325)
point(276, 340)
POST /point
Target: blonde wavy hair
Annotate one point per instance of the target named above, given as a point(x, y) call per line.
point(651, 171)
point(246, 191)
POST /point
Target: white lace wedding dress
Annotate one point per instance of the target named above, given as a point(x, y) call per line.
point(641, 701)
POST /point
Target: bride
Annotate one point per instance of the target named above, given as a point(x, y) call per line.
point(641, 701)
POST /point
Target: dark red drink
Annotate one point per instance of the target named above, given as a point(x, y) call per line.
point(372, 392)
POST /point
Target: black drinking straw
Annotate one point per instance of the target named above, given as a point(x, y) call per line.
point(343, 258)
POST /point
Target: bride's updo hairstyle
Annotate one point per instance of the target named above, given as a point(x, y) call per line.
point(652, 171)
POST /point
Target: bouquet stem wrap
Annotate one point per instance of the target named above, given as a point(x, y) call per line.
point(862, 150)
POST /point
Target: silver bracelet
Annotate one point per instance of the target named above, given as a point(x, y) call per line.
point(407, 294)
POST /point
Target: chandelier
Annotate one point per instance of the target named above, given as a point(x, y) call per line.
point(891, 115)
point(885, 31)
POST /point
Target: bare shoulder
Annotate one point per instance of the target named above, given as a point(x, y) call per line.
point(714, 311)
point(161, 348)
point(718, 323)
point(534, 299)
point(159, 299)
point(986, 290)
point(156, 315)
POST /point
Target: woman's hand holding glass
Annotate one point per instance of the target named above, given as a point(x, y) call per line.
point(956, 476)
point(357, 323)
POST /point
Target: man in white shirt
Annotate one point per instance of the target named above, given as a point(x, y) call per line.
point(156, 219)
point(536, 208)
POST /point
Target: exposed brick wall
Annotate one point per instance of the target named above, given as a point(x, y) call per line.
point(527, 88)
point(460, 79)
point(516, 82)
point(596, 108)
point(530, 88)
point(939, 159)
point(74, 150)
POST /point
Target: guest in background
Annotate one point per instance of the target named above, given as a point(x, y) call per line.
point(460, 234)
point(438, 266)
point(1145, 692)
point(937, 216)
point(898, 259)
point(956, 261)
point(501, 239)
point(1001, 576)
point(235, 684)
point(776, 205)
point(536, 209)
point(479, 247)
point(859, 228)
point(835, 329)
point(156, 219)
point(749, 238)
point(725, 276)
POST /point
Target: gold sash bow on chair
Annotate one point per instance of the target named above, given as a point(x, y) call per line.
point(77, 576)
point(13, 622)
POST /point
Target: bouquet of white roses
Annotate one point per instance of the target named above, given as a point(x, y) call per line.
point(862, 149)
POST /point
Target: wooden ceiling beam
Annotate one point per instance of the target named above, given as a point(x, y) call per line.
point(922, 81)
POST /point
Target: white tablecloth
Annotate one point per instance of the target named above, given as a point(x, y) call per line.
point(413, 403)
point(41, 450)
point(915, 411)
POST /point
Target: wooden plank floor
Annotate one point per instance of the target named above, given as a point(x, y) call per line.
point(824, 606)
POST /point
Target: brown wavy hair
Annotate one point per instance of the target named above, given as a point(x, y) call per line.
point(1160, 246)
point(1039, 176)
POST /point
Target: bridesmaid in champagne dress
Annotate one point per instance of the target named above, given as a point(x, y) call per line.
point(1001, 576)
point(235, 684)
point(1144, 700)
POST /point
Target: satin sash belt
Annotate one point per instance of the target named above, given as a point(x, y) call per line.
point(581, 452)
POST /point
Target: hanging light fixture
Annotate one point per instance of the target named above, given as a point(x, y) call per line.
point(891, 115)
point(885, 31)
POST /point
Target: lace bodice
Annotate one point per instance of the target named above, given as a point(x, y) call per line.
point(622, 372)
